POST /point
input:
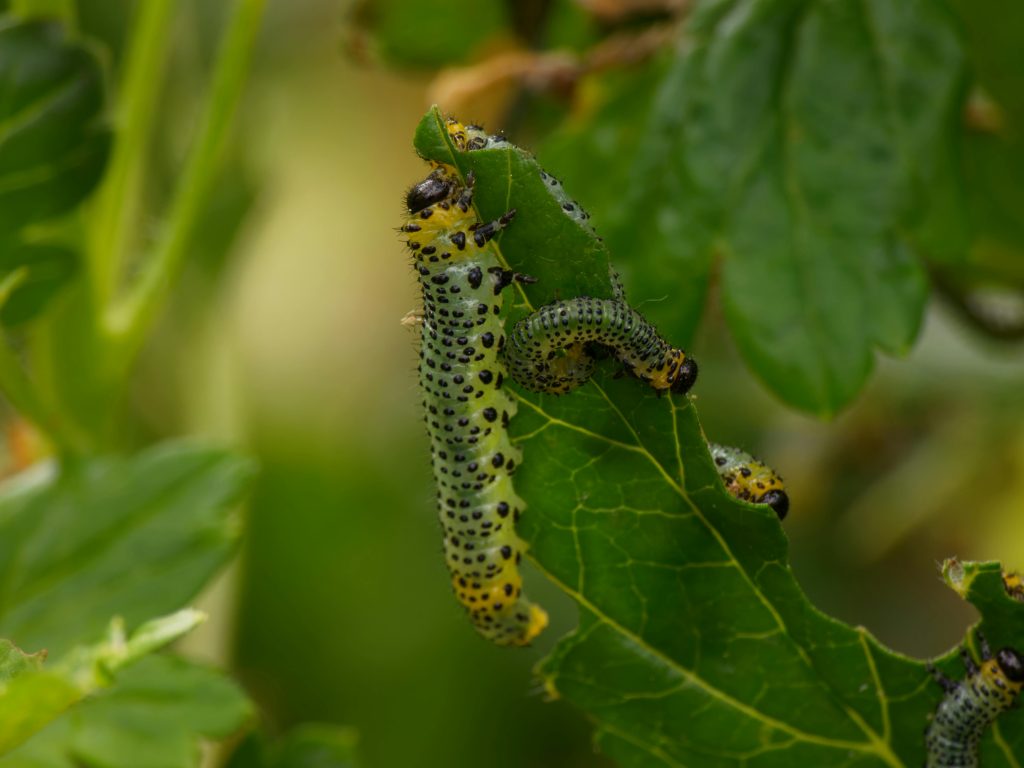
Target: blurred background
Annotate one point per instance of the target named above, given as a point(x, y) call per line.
point(284, 337)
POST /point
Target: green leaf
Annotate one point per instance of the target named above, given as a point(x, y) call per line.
point(47, 269)
point(114, 536)
point(565, 255)
point(696, 646)
point(34, 697)
point(431, 33)
point(797, 140)
point(53, 142)
point(152, 718)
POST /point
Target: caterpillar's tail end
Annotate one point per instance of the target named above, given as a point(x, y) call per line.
point(537, 623)
point(519, 626)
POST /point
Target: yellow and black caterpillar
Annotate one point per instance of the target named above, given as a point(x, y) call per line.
point(750, 479)
point(548, 350)
point(971, 705)
point(467, 412)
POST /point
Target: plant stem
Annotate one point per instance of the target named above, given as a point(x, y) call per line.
point(129, 320)
point(117, 201)
point(17, 388)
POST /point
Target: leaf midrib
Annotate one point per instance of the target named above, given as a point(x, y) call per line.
point(874, 744)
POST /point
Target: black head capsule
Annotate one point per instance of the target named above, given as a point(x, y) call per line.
point(430, 191)
point(778, 501)
point(686, 378)
point(1012, 664)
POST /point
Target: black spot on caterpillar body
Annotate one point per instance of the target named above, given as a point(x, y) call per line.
point(548, 349)
point(460, 373)
point(971, 705)
point(750, 479)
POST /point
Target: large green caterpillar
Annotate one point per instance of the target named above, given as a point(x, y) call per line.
point(971, 705)
point(467, 412)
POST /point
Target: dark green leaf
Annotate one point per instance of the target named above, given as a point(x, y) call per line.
point(659, 227)
point(431, 33)
point(152, 718)
point(696, 646)
point(112, 536)
point(796, 139)
point(53, 143)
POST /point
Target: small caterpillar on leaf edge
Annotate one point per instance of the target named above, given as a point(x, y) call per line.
point(971, 705)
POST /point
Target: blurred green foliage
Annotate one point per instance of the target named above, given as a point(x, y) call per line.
point(775, 181)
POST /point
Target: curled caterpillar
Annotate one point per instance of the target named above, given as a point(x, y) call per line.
point(548, 350)
point(971, 705)
point(467, 412)
point(750, 479)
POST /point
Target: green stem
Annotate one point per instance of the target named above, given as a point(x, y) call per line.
point(129, 320)
point(117, 202)
point(20, 392)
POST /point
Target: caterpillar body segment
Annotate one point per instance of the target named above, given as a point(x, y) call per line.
point(548, 350)
point(467, 412)
point(971, 705)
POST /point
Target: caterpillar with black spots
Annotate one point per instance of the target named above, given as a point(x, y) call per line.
point(971, 705)
point(467, 412)
point(549, 350)
point(750, 479)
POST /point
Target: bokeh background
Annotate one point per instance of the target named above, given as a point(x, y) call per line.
point(284, 338)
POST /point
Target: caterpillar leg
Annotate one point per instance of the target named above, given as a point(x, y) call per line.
point(947, 684)
point(983, 646)
point(412, 319)
point(969, 663)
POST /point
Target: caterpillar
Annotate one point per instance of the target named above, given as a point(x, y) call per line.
point(549, 350)
point(750, 479)
point(971, 705)
point(468, 138)
point(467, 412)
